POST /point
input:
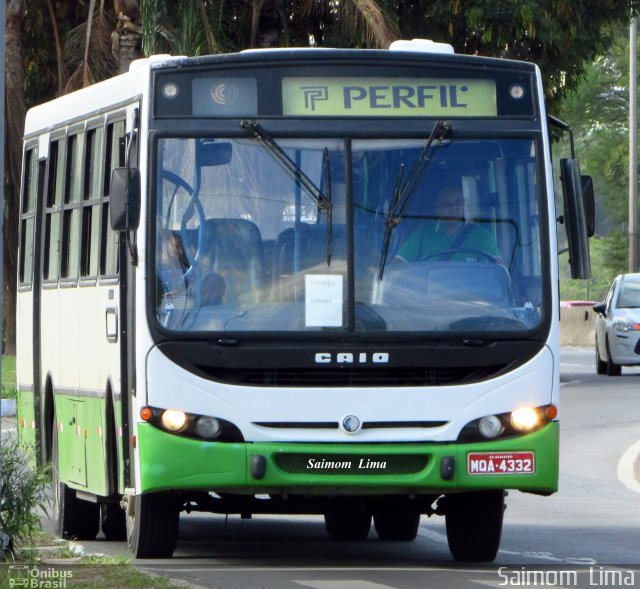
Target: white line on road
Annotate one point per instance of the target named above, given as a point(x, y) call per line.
point(341, 584)
point(626, 467)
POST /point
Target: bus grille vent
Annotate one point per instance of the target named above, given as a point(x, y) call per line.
point(353, 377)
point(351, 464)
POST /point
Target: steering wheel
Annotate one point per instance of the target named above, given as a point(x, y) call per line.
point(194, 204)
point(451, 253)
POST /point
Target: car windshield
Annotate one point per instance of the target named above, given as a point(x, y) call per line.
point(355, 236)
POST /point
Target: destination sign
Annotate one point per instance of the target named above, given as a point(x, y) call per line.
point(388, 97)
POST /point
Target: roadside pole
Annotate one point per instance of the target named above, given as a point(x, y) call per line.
point(633, 145)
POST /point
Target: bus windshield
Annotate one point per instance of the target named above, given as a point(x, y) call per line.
point(350, 235)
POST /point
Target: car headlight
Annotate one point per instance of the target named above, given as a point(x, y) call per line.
point(620, 324)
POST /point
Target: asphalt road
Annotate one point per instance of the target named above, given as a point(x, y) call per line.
point(590, 528)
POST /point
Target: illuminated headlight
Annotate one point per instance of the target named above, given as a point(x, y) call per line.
point(208, 427)
point(173, 420)
point(525, 419)
point(490, 426)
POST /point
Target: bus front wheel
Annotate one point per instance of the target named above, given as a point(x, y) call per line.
point(474, 525)
point(153, 521)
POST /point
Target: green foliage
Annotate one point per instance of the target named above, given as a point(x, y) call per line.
point(608, 259)
point(598, 111)
point(22, 491)
point(561, 36)
point(8, 377)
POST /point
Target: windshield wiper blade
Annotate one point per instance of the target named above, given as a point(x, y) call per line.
point(403, 193)
point(329, 197)
point(287, 163)
point(322, 200)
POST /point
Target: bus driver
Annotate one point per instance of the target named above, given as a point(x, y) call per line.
point(447, 234)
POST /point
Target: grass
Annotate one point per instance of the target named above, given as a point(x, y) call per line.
point(9, 387)
point(87, 572)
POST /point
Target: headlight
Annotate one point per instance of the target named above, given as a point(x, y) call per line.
point(173, 420)
point(190, 425)
point(525, 419)
point(490, 426)
point(208, 427)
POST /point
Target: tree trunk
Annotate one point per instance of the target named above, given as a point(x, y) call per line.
point(14, 127)
point(127, 38)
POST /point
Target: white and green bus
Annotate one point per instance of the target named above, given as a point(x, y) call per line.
point(217, 311)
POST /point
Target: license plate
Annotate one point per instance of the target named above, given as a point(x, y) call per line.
point(479, 463)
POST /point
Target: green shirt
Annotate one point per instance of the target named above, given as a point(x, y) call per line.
point(431, 238)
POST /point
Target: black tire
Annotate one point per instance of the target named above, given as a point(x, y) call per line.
point(74, 519)
point(348, 521)
point(474, 525)
point(613, 369)
point(152, 530)
point(601, 365)
point(398, 523)
point(114, 521)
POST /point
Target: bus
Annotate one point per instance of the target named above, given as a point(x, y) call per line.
point(218, 311)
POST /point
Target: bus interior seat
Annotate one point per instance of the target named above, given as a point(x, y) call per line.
point(303, 248)
point(233, 251)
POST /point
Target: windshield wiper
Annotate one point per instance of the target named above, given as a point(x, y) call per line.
point(322, 200)
point(329, 197)
point(403, 192)
point(288, 164)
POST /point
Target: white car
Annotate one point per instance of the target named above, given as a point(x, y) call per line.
point(618, 326)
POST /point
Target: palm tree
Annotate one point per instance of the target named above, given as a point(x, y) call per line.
point(363, 23)
point(127, 36)
point(88, 48)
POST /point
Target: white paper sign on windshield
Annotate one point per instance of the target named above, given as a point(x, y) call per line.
point(323, 300)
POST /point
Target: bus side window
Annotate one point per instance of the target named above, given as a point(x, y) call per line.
point(114, 158)
point(69, 265)
point(55, 185)
point(27, 216)
point(91, 203)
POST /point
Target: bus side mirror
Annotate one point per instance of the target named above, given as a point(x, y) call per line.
point(574, 218)
point(124, 200)
point(589, 203)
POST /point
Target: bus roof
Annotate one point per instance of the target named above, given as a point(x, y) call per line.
point(123, 88)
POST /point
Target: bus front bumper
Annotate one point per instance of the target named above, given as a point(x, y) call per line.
point(171, 462)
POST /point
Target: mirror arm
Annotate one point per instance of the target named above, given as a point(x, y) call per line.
point(556, 122)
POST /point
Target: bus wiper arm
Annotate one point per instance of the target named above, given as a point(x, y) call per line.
point(403, 193)
point(287, 164)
